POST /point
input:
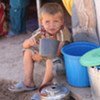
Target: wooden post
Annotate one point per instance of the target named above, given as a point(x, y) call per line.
point(85, 27)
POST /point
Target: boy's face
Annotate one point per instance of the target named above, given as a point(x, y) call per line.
point(52, 23)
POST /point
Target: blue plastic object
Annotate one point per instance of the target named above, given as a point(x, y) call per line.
point(76, 74)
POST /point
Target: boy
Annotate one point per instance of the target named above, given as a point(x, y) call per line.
point(52, 26)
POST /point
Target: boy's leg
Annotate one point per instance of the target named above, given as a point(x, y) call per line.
point(30, 56)
point(54, 68)
point(28, 83)
point(28, 68)
point(48, 72)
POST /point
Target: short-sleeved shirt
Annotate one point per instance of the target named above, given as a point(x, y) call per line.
point(62, 35)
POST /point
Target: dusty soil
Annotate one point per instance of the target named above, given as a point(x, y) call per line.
point(7, 95)
point(11, 67)
point(11, 71)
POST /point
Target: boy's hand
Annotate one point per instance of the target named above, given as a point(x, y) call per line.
point(29, 43)
point(32, 42)
point(37, 56)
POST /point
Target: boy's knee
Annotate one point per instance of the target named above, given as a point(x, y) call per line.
point(49, 61)
point(27, 51)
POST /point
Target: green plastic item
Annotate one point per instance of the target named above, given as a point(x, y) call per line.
point(91, 58)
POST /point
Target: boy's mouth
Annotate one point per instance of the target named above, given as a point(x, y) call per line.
point(52, 29)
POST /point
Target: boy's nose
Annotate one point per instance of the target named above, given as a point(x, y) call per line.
point(52, 25)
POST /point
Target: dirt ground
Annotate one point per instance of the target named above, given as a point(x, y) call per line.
point(11, 71)
point(11, 67)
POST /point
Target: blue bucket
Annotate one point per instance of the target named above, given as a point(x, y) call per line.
point(76, 74)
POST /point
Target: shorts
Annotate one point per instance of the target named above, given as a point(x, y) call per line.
point(58, 62)
point(33, 49)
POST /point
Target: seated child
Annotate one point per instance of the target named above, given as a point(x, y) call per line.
point(3, 24)
point(52, 26)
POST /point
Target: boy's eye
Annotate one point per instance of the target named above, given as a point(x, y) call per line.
point(56, 21)
point(46, 21)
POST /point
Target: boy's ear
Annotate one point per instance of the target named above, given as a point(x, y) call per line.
point(40, 21)
point(62, 26)
point(63, 21)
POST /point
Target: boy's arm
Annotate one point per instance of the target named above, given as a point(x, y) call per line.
point(65, 39)
point(33, 40)
point(29, 43)
point(60, 47)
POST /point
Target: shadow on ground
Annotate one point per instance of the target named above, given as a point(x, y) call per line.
point(5, 94)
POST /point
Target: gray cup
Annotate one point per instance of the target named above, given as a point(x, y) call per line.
point(48, 47)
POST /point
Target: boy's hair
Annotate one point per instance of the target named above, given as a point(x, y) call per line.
point(51, 8)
